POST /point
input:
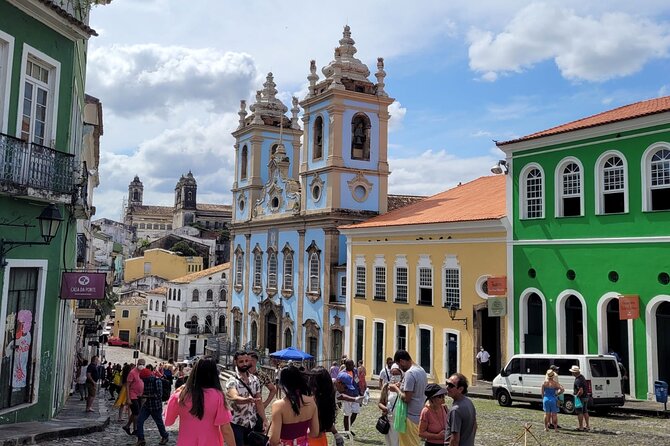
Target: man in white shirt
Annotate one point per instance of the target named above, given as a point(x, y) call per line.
point(483, 359)
point(385, 374)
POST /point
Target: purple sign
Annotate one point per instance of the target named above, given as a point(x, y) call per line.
point(83, 285)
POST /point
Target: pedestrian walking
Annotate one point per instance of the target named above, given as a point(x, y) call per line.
point(550, 392)
point(362, 377)
point(92, 377)
point(411, 392)
point(433, 418)
point(350, 397)
point(295, 414)
point(200, 406)
point(244, 393)
point(321, 387)
point(387, 402)
point(81, 380)
point(134, 389)
point(462, 420)
point(152, 407)
point(385, 374)
point(483, 360)
point(581, 399)
point(263, 378)
point(334, 370)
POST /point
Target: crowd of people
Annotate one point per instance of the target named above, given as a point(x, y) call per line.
point(303, 404)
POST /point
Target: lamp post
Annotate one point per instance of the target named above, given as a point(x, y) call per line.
point(49, 221)
point(452, 314)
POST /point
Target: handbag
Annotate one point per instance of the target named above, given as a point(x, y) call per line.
point(383, 425)
point(578, 403)
point(255, 438)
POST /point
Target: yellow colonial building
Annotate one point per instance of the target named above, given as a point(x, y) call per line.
point(160, 263)
point(417, 279)
point(129, 316)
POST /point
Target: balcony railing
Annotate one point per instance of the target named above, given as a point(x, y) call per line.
point(24, 164)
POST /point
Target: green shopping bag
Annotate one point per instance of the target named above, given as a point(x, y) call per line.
point(400, 416)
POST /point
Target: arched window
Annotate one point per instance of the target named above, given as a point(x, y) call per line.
point(288, 270)
point(611, 183)
point(177, 325)
point(258, 270)
point(222, 323)
point(163, 307)
point(151, 305)
point(314, 273)
point(196, 296)
point(243, 163)
point(210, 295)
point(656, 175)
point(208, 324)
point(272, 270)
point(239, 269)
point(179, 295)
point(273, 149)
point(149, 323)
point(318, 138)
point(223, 295)
point(288, 338)
point(360, 137)
point(136, 195)
point(125, 313)
point(254, 334)
point(532, 196)
point(570, 189)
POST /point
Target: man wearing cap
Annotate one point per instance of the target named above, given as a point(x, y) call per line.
point(581, 391)
point(462, 426)
point(350, 397)
point(412, 393)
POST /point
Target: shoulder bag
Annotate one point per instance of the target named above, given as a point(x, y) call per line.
point(258, 427)
point(383, 425)
point(261, 438)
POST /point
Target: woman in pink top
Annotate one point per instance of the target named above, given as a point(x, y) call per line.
point(200, 405)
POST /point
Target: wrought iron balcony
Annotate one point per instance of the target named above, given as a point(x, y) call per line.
point(27, 165)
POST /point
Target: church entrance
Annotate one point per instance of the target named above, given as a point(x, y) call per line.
point(617, 333)
point(271, 332)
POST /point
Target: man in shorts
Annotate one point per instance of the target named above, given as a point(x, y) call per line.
point(348, 394)
point(581, 391)
point(92, 377)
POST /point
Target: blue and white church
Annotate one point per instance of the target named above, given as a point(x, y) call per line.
point(293, 188)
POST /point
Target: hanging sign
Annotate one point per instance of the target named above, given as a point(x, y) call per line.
point(84, 313)
point(629, 307)
point(497, 306)
point(83, 285)
point(496, 286)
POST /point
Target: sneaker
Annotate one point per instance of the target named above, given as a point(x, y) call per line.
point(164, 440)
point(126, 429)
point(141, 443)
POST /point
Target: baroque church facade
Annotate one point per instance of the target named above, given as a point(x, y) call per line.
point(289, 260)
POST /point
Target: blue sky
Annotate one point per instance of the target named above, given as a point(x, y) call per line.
point(170, 75)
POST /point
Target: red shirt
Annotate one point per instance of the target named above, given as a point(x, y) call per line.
point(135, 384)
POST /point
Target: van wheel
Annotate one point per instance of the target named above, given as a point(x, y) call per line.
point(504, 399)
point(569, 405)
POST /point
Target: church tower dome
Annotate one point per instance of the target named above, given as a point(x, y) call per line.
point(135, 192)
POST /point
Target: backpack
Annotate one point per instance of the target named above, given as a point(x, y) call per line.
point(167, 373)
point(167, 388)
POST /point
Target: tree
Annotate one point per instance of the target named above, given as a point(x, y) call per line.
point(183, 249)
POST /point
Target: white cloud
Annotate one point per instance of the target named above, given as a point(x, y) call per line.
point(431, 172)
point(397, 112)
point(154, 79)
point(583, 47)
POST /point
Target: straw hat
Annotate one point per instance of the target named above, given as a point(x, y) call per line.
point(575, 369)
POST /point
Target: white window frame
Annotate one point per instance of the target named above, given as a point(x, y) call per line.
point(523, 192)
point(239, 270)
point(645, 166)
point(36, 337)
point(559, 186)
point(54, 68)
point(600, 203)
point(396, 345)
point(6, 61)
point(451, 263)
point(343, 285)
point(272, 270)
point(445, 352)
point(424, 262)
point(355, 338)
point(360, 263)
point(400, 262)
point(379, 266)
point(314, 280)
point(376, 321)
point(258, 271)
point(289, 264)
point(432, 347)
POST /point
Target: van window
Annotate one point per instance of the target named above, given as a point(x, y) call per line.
point(564, 366)
point(513, 367)
point(536, 366)
point(603, 368)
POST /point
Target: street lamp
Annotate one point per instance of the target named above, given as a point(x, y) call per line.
point(452, 314)
point(49, 221)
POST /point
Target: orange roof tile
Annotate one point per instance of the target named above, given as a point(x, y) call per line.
point(480, 199)
point(200, 274)
point(159, 290)
point(636, 110)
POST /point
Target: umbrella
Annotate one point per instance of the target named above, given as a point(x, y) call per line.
point(292, 354)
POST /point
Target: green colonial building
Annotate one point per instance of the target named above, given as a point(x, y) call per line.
point(42, 72)
point(589, 204)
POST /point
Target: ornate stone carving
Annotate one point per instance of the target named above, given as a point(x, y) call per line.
point(311, 328)
point(380, 75)
point(348, 65)
point(294, 113)
point(360, 187)
point(242, 113)
point(312, 78)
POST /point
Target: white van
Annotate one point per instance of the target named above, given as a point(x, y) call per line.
point(521, 379)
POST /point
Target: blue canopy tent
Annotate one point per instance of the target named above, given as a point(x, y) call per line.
point(291, 353)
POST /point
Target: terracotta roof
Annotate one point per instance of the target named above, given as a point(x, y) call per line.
point(134, 300)
point(397, 201)
point(214, 207)
point(151, 210)
point(159, 290)
point(631, 111)
point(480, 199)
point(200, 274)
point(70, 18)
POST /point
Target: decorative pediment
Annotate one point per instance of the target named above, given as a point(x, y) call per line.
point(286, 320)
point(360, 187)
point(237, 314)
point(336, 325)
point(316, 188)
point(253, 314)
point(311, 328)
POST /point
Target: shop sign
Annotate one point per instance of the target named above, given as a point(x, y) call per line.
point(629, 307)
point(84, 313)
point(497, 306)
point(83, 285)
point(496, 286)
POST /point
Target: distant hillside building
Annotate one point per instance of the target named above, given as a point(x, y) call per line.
point(153, 222)
point(162, 263)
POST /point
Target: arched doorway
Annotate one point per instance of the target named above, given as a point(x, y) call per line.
point(574, 326)
point(489, 338)
point(617, 332)
point(663, 341)
point(534, 333)
point(271, 331)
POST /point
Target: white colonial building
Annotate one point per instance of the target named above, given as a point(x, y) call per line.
point(152, 341)
point(195, 311)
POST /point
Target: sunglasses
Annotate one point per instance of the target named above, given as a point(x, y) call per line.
point(450, 385)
